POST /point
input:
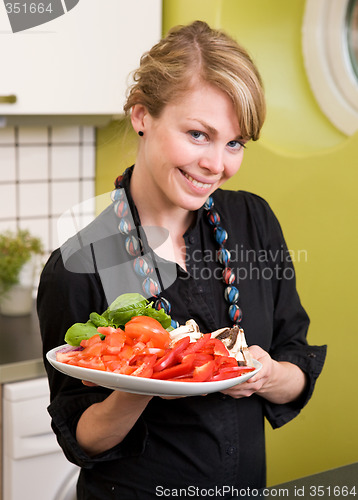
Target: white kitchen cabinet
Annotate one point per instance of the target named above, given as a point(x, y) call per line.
point(34, 466)
point(77, 64)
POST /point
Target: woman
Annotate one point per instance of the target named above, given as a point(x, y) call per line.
point(196, 101)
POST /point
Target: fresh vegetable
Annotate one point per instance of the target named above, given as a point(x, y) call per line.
point(144, 349)
point(98, 320)
point(120, 312)
point(124, 307)
point(80, 331)
point(148, 330)
point(172, 355)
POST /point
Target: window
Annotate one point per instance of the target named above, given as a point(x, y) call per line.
point(352, 34)
point(330, 50)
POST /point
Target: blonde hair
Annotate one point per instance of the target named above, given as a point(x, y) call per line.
point(197, 52)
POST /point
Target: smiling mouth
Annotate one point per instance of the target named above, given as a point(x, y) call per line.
point(200, 185)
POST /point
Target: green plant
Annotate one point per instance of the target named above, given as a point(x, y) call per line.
point(15, 250)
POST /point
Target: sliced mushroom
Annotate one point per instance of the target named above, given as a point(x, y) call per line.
point(234, 340)
point(190, 329)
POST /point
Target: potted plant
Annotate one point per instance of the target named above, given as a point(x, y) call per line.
point(19, 253)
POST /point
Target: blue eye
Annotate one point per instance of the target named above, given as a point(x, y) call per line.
point(236, 145)
point(197, 136)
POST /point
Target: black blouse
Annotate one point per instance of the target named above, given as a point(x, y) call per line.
point(207, 442)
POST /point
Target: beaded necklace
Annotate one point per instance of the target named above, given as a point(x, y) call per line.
point(144, 269)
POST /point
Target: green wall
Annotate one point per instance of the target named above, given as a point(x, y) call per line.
point(306, 169)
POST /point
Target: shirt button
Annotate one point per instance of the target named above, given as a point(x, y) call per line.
point(231, 450)
point(200, 289)
point(191, 239)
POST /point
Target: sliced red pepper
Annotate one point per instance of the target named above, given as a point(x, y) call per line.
point(204, 372)
point(225, 361)
point(172, 354)
point(196, 346)
point(232, 372)
point(183, 369)
point(216, 347)
point(201, 358)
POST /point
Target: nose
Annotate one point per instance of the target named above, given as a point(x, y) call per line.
point(213, 160)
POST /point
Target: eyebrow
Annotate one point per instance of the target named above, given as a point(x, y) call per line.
point(208, 127)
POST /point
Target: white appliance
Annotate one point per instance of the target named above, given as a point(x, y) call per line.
point(34, 467)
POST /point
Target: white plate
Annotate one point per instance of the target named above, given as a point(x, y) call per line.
point(140, 385)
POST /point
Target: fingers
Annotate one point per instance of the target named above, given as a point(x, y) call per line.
point(244, 390)
point(88, 384)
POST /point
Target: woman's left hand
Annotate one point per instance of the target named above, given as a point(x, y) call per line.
point(277, 381)
point(255, 383)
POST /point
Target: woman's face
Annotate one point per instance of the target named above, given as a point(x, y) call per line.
point(190, 150)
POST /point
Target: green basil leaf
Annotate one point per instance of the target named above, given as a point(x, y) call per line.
point(98, 320)
point(160, 316)
point(80, 331)
point(128, 301)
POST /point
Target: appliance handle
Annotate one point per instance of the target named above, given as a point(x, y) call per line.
point(35, 445)
point(8, 99)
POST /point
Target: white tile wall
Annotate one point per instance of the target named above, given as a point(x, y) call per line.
point(44, 171)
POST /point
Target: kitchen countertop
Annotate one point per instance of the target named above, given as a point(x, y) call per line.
point(20, 348)
point(340, 482)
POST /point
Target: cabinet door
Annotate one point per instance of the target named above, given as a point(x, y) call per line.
point(78, 63)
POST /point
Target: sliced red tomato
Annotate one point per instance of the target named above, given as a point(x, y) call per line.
point(127, 352)
point(145, 366)
point(67, 357)
point(148, 329)
point(106, 330)
point(115, 339)
point(95, 363)
point(92, 340)
point(95, 349)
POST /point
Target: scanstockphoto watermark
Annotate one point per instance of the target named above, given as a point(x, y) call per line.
point(294, 491)
point(219, 492)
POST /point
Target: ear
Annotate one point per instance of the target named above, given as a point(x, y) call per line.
point(139, 115)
